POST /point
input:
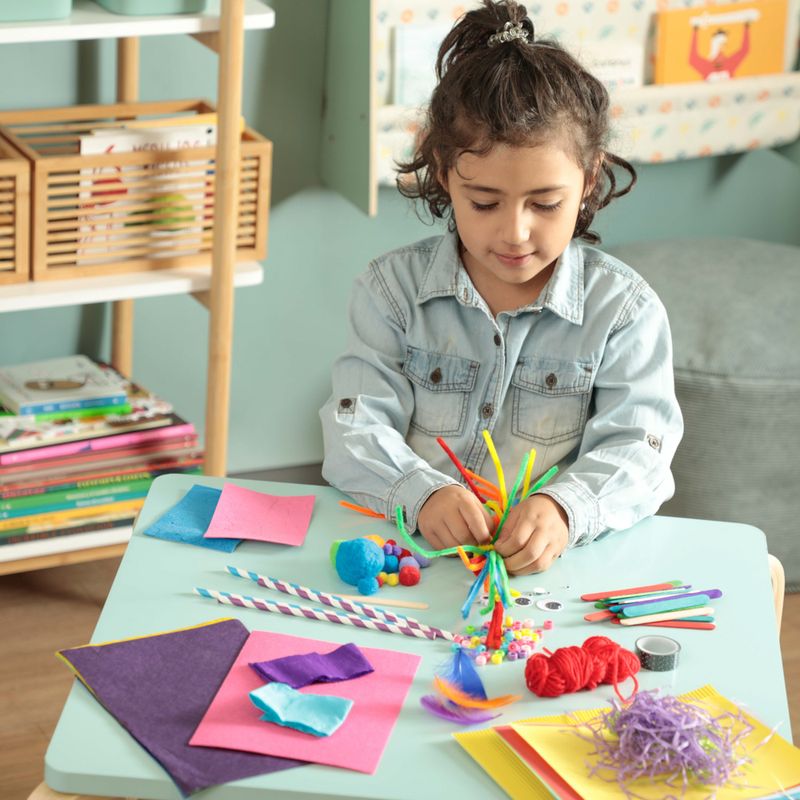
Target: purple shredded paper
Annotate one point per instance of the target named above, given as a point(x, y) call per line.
point(342, 664)
point(159, 687)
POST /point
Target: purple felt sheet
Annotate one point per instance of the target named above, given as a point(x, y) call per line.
point(341, 664)
point(159, 687)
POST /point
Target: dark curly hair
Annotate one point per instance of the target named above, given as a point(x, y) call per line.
point(519, 92)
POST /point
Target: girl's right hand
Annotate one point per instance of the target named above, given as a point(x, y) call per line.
point(453, 516)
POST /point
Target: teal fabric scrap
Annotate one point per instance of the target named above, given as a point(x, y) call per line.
point(189, 519)
point(317, 714)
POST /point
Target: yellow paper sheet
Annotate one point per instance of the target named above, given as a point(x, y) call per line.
point(776, 765)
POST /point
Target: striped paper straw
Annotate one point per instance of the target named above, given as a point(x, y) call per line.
point(335, 601)
point(294, 610)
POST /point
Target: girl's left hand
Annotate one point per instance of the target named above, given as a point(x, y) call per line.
point(534, 535)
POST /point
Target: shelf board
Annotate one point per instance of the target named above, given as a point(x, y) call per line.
point(90, 21)
point(60, 545)
point(124, 286)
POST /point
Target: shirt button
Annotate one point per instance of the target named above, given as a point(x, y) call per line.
point(345, 402)
point(436, 376)
point(551, 380)
point(487, 410)
point(497, 340)
point(653, 441)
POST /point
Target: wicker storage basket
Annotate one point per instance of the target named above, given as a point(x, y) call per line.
point(141, 209)
point(14, 215)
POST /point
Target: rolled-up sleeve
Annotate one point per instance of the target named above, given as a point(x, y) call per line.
point(365, 421)
point(622, 472)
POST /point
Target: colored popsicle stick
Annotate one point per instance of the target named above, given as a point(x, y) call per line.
point(661, 606)
point(700, 598)
point(678, 623)
point(599, 616)
point(630, 598)
point(681, 613)
point(654, 587)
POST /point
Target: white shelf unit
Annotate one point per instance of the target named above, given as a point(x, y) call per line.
point(221, 28)
point(365, 133)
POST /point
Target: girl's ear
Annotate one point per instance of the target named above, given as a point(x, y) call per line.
point(593, 176)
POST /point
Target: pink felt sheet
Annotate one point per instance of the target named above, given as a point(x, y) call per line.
point(233, 722)
point(246, 514)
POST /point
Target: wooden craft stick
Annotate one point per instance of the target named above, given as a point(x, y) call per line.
point(706, 611)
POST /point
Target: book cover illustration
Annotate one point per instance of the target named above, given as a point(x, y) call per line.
point(720, 42)
point(143, 410)
point(58, 384)
point(158, 209)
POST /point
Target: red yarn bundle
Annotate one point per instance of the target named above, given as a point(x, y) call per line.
point(570, 669)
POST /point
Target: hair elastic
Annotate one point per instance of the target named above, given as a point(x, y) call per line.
point(509, 32)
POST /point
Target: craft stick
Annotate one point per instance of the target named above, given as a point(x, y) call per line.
point(294, 610)
point(361, 509)
point(599, 616)
point(667, 615)
point(655, 587)
point(627, 608)
point(633, 598)
point(661, 606)
point(678, 623)
point(501, 480)
point(460, 467)
point(336, 601)
point(528, 471)
point(384, 602)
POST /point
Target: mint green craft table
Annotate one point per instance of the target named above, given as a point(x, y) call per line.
point(90, 754)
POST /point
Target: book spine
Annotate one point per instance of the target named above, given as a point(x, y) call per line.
point(74, 495)
point(24, 535)
point(83, 481)
point(69, 505)
point(101, 443)
point(58, 518)
point(78, 413)
point(71, 405)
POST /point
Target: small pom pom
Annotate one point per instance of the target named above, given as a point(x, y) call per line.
point(409, 576)
point(391, 564)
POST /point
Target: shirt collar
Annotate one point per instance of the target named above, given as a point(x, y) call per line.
point(563, 294)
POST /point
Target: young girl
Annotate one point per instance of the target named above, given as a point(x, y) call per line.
point(507, 323)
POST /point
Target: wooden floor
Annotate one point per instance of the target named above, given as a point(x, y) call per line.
point(43, 611)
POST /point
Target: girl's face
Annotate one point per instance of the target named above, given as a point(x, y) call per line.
point(515, 209)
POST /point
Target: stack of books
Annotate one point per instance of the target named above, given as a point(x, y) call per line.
point(80, 445)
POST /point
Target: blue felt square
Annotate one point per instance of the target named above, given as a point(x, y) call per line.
point(189, 519)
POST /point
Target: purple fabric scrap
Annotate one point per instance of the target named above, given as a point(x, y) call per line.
point(159, 687)
point(342, 664)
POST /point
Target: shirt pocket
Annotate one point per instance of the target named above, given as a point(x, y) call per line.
point(551, 399)
point(442, 384)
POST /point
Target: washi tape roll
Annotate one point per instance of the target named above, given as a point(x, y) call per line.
point(657, 653)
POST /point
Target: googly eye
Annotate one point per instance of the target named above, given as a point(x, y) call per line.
point(540, 590)
point(549, 605)
point(522, 600)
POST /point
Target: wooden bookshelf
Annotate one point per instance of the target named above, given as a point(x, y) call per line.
point(221, 28)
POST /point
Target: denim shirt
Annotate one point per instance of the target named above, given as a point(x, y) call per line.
point(583, 375)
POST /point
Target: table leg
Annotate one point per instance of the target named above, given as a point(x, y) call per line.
point(44, 792)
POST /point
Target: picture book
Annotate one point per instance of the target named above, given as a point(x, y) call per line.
point(35, 533)
point(179, 428)
point(58, 385)
point(142, 455)
point(151, 202)
point(142, 409)
point(721, 41)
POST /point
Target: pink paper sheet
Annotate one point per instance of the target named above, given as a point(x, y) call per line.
point(232, 721)
point(246, 514)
